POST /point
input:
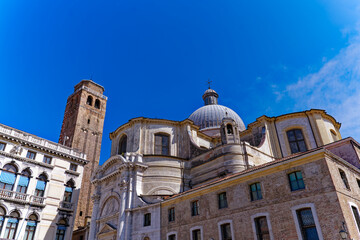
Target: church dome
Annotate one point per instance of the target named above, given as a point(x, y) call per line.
point(212, 114)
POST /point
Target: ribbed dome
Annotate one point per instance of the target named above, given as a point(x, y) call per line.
point(212, 114)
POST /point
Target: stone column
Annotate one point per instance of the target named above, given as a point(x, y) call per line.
point(4, 226)
point(96, 200)
point(21, 228)
point(122, 217)
point(129, 205)
point(16, 182)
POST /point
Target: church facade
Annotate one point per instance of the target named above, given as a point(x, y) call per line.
point(209, 177)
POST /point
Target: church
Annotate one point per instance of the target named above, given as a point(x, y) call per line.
point(209, 177)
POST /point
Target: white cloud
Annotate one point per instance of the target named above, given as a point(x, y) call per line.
point(335, 88)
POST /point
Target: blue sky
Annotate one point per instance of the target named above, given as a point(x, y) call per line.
point(154, 59)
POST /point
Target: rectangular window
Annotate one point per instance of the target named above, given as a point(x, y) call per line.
point(30, 231)
point(195, 208)
point(172, 237)
point(171, 213)
point(147, 219)
point(225, 231)
point(2, 146)
point(356, 216)
point(47, 160)
point(296, 141)
point(31, 155)
point(255, 191)
point(307, 224)
point(262, 229)
point(358, 182)
point(296, 181)
point(222, 200)
point(196, 234)
point(73, 167)
point(161, 144)
point(11, 228)
point(344, 179)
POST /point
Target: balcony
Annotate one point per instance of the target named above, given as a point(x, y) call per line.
point(66, 206)
point(22, 198)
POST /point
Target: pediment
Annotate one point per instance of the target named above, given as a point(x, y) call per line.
point(112, 164)
point(107, 228)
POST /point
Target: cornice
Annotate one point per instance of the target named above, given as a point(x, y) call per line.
point(305, 113)
point(133, 121)
point(42, 144)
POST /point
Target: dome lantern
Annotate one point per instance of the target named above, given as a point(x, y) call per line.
point(210, 116)
point(210, 97)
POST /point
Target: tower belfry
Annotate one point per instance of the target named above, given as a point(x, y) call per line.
point(82, 129)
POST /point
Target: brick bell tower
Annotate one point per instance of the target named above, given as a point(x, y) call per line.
point(82, 129)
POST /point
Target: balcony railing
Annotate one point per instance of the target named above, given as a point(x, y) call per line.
point(66, 205)
point(37, 200)
point(21, 197)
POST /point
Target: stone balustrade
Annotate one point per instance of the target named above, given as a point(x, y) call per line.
point(21, 197)
point(40, 141)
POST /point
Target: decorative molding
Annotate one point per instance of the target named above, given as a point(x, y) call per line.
point(26, 160)
point(72, 172)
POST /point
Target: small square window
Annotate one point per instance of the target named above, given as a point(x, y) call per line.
point(255, 191)
point(31, 155)
point(147, 219)
point(195, 208)
point(171, 214)
point(73, 167)
point(47, 159)
point(296, 181)
point(222, 200)
point(2, 146)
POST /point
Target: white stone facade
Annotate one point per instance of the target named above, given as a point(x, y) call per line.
point(39, 186)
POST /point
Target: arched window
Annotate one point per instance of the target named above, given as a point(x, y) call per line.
point(162, 144)
point(30, 227)
point(344, 178)
point(122, 145)
point(61, 229)
point(229, 129)
point(97, 104)
point(7, 177)
point(2, 217)
point(69, 187)
point(12, 225)
point(296, 140)
point(23, 182)
point(89, 100)
point(41, 185)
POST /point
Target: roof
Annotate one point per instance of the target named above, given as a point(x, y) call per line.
point(256, 168)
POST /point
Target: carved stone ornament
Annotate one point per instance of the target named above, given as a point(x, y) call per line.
point(95, 198)
point(17, 149)
point(123, 184)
